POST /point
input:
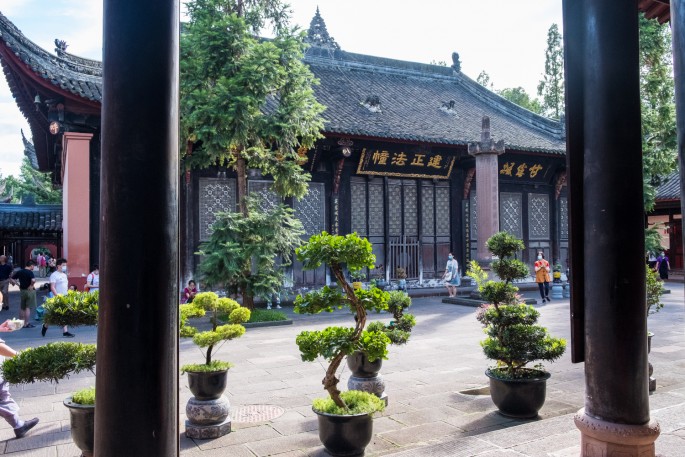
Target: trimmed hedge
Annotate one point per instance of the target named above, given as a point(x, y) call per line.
point(51, 362)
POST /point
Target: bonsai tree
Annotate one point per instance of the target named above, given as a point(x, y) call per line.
point(334, 343)
point(73, 309)
point(513, 338)
point(209, 302)
point(655, 289)
point(398, 330)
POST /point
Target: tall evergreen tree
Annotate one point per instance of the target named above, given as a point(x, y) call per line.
point(657, 92)
point(30, 182)
point(247, 102)
point(551, 87)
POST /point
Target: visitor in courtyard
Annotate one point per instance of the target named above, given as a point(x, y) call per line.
point(9, 410)
point(93, 280)
point(5, 273)
point(42, 265)
point(189, 292)
point(451, 276)
point(542, 276)
point(52, 265)
point(73, 288)
point(663, 266)
point(27, 291)
point(59, 285)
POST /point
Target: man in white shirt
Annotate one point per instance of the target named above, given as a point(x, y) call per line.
point(59, 285)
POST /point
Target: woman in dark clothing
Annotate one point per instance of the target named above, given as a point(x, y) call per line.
point(662, 266)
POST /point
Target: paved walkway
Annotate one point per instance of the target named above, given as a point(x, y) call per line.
point(427, 416)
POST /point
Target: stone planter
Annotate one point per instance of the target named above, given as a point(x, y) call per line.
point(82, 420)
point(345, 435)
point(208, 411)
point(520, 398)
point(365, 376)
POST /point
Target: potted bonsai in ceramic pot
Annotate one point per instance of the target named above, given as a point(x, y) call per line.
point(655, 289)
point(56, 361)
point(513, 338)
point(344, 418)
point(208, 409)
point(365, 373)
point(401, 275)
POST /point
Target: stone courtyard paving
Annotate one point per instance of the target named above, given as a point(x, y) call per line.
point(427, 413)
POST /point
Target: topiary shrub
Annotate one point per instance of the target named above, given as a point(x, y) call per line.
point(513, 338)
point(398, 330)
point(84, 396)
point(73, 309)
point(209, 302)
point(334, 343)
point(655, 289)
point(52, 362)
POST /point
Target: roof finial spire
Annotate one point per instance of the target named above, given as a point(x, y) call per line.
point(317, 35)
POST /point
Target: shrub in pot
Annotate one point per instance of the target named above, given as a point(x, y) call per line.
point(345, 418)
point(655, 289)
point(208, 410)
point(513, 338)
point(52, 363)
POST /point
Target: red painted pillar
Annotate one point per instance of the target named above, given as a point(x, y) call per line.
point(76, 204)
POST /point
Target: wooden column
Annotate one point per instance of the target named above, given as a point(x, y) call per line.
point(137, 360)
point(487, 187)
point(678, 34)
point(76, 204)
point(604, 130)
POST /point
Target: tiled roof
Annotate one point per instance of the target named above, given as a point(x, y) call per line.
point(82, 77)
point(30, 151)
point(37, 217)
point(385, 98)
point(670, 188)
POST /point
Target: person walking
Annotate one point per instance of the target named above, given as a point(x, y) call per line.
point(42, 264)
point(59, 285)
point(27, 291)
point(542, 276)
point(93, 280)
point(5, 273)
point(9, 410)
point(451, 276)
point(663, 266)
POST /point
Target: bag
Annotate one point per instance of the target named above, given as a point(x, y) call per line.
point(448, 276)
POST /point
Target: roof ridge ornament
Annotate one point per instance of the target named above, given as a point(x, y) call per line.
point(456, 63)
point(318, 35)
point(60, 47)
point(373, 104)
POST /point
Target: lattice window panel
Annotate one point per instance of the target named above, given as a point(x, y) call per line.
point(538, 217)
point(442, 211)
point(358, 201)
point(510, 213)
point(216, 196)
point(395, 210)
point(473, 205)
point(563, 218)
point(411, 210)
point(427, 211)
point(268, 198)
point(376, 213)
point(311, 209)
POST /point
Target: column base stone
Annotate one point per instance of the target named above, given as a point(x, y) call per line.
point(600, 438)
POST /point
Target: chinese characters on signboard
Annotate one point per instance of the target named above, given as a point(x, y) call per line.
point(419, 164)
point(523, 170)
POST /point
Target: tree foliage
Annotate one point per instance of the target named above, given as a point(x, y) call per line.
point(519, 96)
point(659, 141)
point(242, 252)
point(551, 87)
point(30, 182)
point(244, 98)
point(484, 79)
point(51, 362)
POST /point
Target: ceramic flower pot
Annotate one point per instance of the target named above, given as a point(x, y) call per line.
point(207, 385)
point(345, 435)
point(82, 419)
point(520, 398)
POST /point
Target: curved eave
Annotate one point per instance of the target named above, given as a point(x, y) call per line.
point(656, 9)
point(433, 141)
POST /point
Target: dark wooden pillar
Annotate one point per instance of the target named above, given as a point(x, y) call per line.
point(678, 33)
point(604, 137)
point(137, 363)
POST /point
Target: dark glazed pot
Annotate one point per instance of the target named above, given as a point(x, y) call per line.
point(345, 435)
point(360, 366)
point(520, 398)
point(207, 385)
point(82, 419)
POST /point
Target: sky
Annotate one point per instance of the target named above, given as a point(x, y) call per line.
point(506, 38)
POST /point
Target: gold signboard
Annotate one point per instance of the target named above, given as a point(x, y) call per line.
point(419, 164)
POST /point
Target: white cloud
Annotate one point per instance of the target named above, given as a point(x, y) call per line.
point(10, 7)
